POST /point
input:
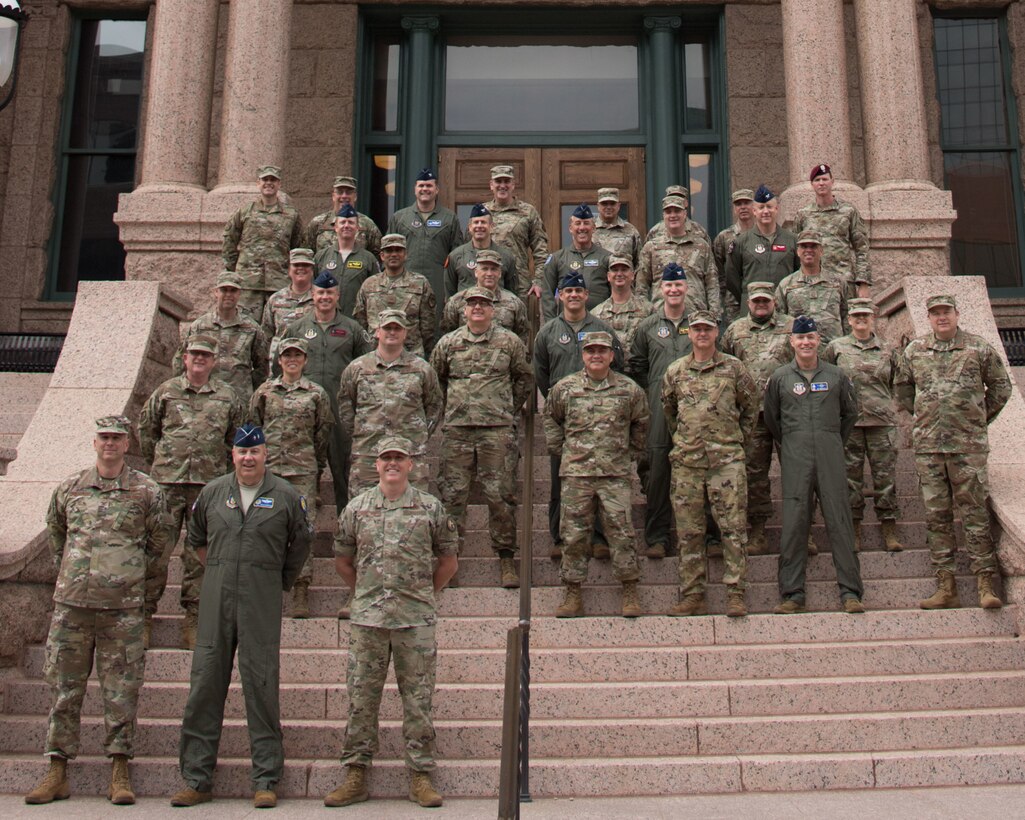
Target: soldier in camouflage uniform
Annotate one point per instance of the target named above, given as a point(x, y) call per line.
point(431, 232)
point(510, 312)
point(350, 264)
point(257, 239)
point(711, 404)
point(761, 340)
point(584, 257)
point(843, 233)
point(812, 291)
point(765, 253)
point(954, 383)
point(518, 227)
point(744, 219)
point(185, 433)
point(320, 232)
point(396, 549)
point(691, 226)
point(872, 367)
point(461, 265)
point(396, 288)
point(108, 529)
point(589, 416)
point(292, 303)
point(685, 248)
point(624, 310)
point(485, 376)
point(242, 348)
point(613, 233)
point(296, 418)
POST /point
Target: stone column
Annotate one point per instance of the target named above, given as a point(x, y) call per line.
point(419, 107)
point(664, 158)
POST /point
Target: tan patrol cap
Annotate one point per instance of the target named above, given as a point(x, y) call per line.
point(393, 240)
point(489, 255)
point(478, 293)
point(229, 279)
point(809, 237)
point(502, 171)
point(674, 201)
point(678, 190)
point(941, 300)
point(761, 290)
point(596, 338)
point(114, 424)
point(702, 317)
point(608, 195)
point(616, 259)
point(741, 195)
point(201, 342)
point(300, 256)
point(293, 344)
point(268, 171)
point(860, 306)
point(394, 444)
point(345, 182)
point(391, 316)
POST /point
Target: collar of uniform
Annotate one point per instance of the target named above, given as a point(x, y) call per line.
point(391, 278)
point(337, 320)
point(870, 343)
point(582, 254)
point(404, 500)
point(819, 278)
point(203, 388)
point(402, 358)
point(514, 205)
point(92, 478)
point(832, 206)
point(693, 364)
point(217, 320)
point(270, 209)
point(264, 485)
point(619, 223)
point(769, 239)
point(588, 318)
point(591, 384)
point(949, 344)
point(302, 384)
point(797, 368)
point(772, 322)
point(662, 315)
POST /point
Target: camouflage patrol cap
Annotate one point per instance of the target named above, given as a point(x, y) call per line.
point(394, 444)
point(114, 424)
point(608, 195)
point(300, 256)
point(702, 317)
point(596, 338)
point(502, 172)
point(268, 171)
point(229, 279)
point(761, 290)
point(392, 317)
point(940, 300)
point(741, 195)
point(616, 259)
point(478, 293)
point(860, 306)
point(677, 190)
point(674, 201)
point(490, 256)
point(202, 343)
point(293, 344)
point(393, 240)
point(809, 237)
point(344, 182)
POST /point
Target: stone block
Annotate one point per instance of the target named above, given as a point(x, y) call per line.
point(796, 773)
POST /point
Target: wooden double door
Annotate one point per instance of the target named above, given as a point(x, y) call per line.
point(553, 180)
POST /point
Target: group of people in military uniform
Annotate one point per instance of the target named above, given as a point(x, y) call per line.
point(687, 358)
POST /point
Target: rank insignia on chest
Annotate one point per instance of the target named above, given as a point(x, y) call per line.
point(663, 332)
point(339, 331)
point(779, 247)
point(331, 265)
point(231, 503)
point(574, 265)
point(433, 223)
point(800, 388)
point(564, 339)
point(819, 387)
point(310, 334)
point(759, 248)
point(264, 502)
point(417, 223)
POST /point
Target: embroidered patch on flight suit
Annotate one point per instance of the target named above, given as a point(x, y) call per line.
point(819, 387)
point(800, 389)
point(266, 503)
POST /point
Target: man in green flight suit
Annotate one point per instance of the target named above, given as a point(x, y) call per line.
point(251, 530)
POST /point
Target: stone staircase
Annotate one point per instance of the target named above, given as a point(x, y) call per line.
point(653, 706)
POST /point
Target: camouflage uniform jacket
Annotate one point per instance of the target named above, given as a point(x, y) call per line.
point(283, 308)
point(691, 253)
point(107, 537)
point(462, 262)
point(711, 409)
point(823, 297)
point(872, 367)
point(954, 388)
point(762, 348)
point(658, 342)
point(557, 351)
point(393, 545)
point(186, 432)
point(596, 428)
point(592, 264)
point(510, 313)
point(351, 273)
point(753, 257)
point(518, 227)
point(620, 239)
point(485, 378)
point(625, 316)
point(378, 398)
point(844, 239)
point(331, 348)
point(320, 233)
point(257, 240)
point(409, 292)
point(242, 350)
point(691, 229)
point(296, 420)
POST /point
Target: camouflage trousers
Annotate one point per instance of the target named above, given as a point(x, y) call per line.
point(962, 479)
point(759, 459)
point(363, 474)
point(726, 488)
point(483, 451)
point(415, 654)
point(180, 498)
point(307, 487)
point(879, 445)
point(115, 636)
point(583, 499)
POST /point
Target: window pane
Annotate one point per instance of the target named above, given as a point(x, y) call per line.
point(382, 187)
point(701, 174)
point(984, 239)
point(509, 84)
point(108, 84)
point(698, 73)
point(385, 101)
point(90, 247)
point(970, 82)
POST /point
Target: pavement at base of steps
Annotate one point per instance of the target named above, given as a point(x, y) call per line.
point(867, 804)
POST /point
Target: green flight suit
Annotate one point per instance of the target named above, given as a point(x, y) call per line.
point(592, 264)
point(753, 257)
point(811, 420)
point(351, 272)
point(430, 238)
point(461, 265)
point(251, 559)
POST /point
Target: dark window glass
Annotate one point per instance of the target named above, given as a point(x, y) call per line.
point(385, 99)
point(970, 82)
point(698, 75)
point(701, 170)
point(382, 187)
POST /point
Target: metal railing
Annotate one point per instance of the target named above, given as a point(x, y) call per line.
point(514, 779)
point(29, 352)
point(1014, 344)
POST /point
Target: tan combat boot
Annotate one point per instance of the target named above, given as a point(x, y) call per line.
point(264, 799)
point(189, 626)
point(857, 536)
point(301, 600)
point(510, 577)
point(693, 604)
point(736, 607)
point(890, 538)
point(353, 790)
point(945, 596)
point(789, 606)
point(422, 791)
point(813, 548)
point(120, 792)
point(988, 599)
point(756, 543)
point(190, 797)
point(54, 786)
point(655, 551)
point(572, 605)
point(631, 603)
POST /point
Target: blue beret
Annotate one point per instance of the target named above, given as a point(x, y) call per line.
point(764, 194)
point(583, 211)
point(425, 175)
point(804, 324)
point(347, 212)
point(479, 210)
point(249, 435)
point(673, 273)
point(325, 280)
point(573, 279)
